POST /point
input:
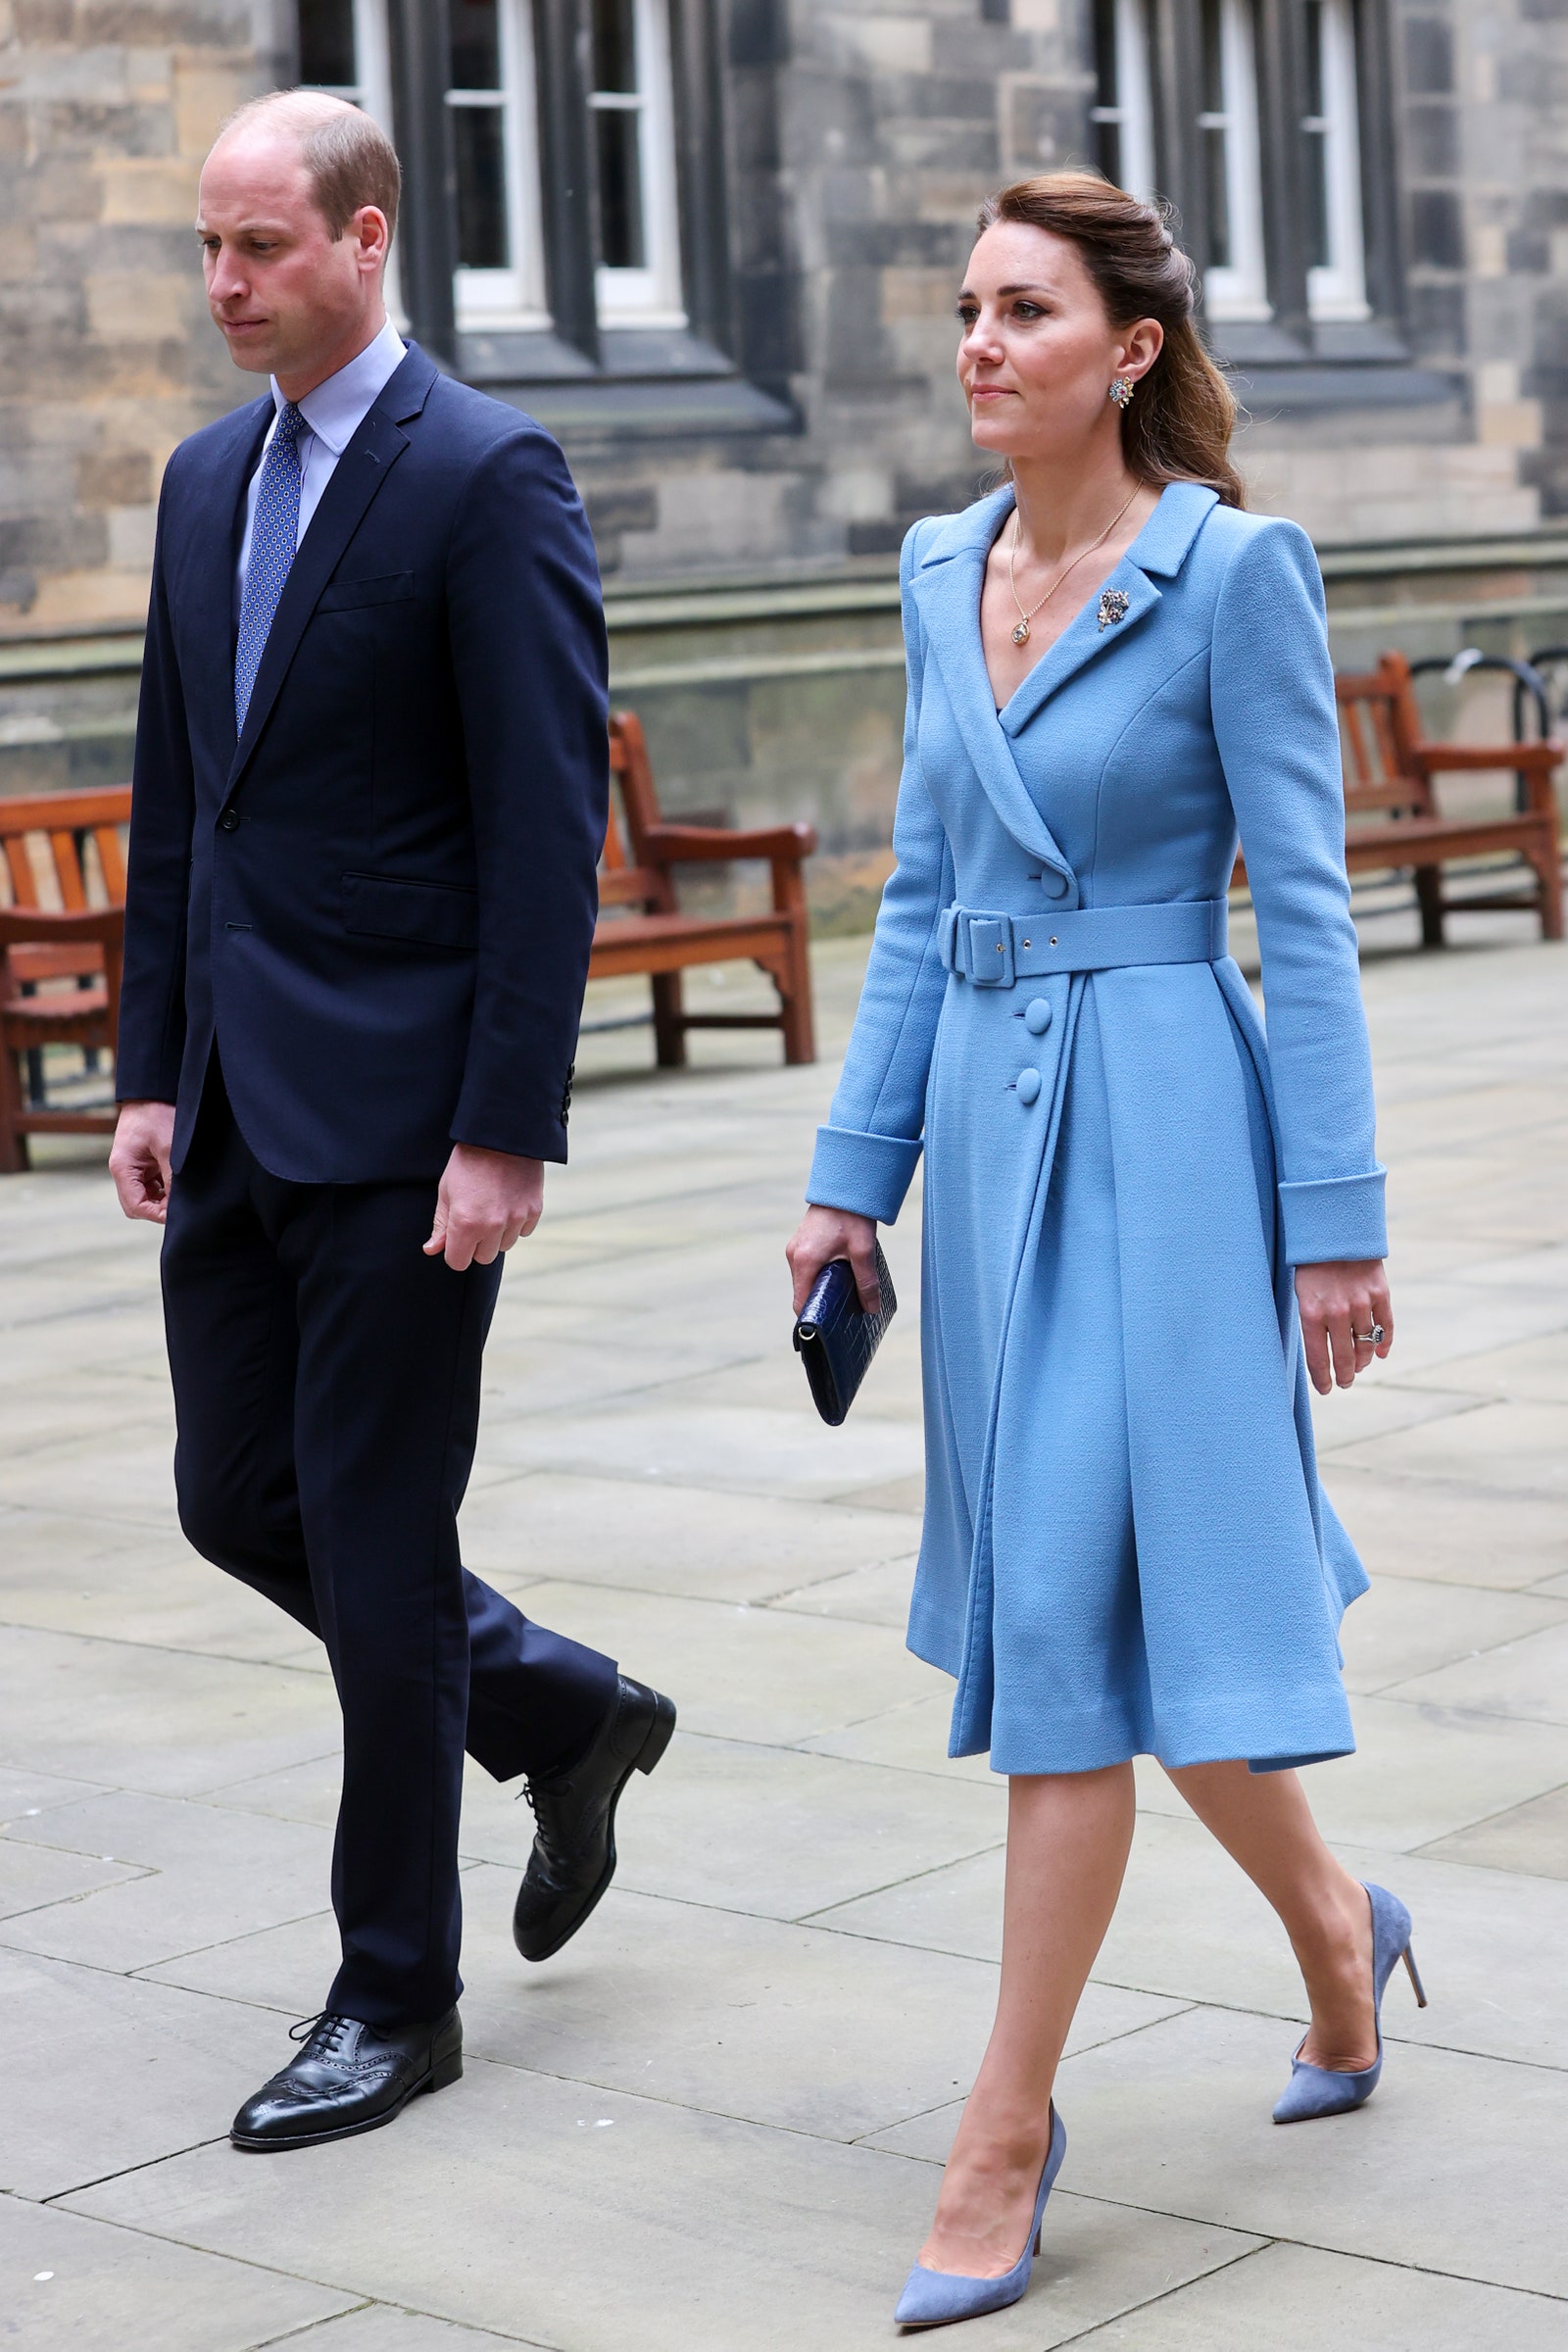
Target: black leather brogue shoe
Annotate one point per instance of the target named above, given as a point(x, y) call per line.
point(574, 1858)
point(349, 2078)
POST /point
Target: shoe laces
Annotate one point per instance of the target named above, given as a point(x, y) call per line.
point(548, 1813)
point(325, 2030)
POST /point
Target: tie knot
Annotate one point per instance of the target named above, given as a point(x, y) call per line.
point(289, 421)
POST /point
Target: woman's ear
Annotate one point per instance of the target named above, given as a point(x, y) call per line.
point(1140, 346)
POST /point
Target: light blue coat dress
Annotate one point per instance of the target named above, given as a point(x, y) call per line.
point(1126, 1548)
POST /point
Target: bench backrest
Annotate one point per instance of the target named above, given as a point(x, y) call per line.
point(623, 880)
point(69, 835)
point(1380, 726)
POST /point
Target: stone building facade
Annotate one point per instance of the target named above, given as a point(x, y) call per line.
point(714, 244)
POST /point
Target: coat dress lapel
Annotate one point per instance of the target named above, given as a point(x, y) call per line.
point(947, 589)
point(358, 475)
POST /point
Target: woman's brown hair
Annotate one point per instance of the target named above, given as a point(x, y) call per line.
point(1178, 426)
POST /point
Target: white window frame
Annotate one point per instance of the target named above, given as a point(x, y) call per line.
point(1240, 289)
point(650, 297)
point(1134, 111)
point(1338, 289)
point(373, 91)
point(510, 299)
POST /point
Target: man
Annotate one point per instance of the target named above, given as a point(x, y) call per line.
point(369, 794)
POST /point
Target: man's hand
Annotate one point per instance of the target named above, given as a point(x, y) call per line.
point(1342, 1301)
point(824, 1234)
point(488, 1200)
point(138, 1158)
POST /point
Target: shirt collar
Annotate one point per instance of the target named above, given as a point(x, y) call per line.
point(337, 408)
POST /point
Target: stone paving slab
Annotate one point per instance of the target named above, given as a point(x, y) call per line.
point(97, 2289)
point(713, 2123)
point(618, 2221)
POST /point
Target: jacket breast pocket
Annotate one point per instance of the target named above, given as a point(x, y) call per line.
point(352, 596)
point(427, 915)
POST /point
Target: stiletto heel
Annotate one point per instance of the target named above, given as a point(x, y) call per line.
point(1416, 1985)
point(1314, 2091)
point(932, 2298)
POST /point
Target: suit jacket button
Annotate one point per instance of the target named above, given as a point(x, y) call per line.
point(1028, 1082)
point(1037, 1017)
point(229, 822)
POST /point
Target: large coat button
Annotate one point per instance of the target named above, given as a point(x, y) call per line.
point(1055, 885)
point(1028, 1082)
point(1037, 1017)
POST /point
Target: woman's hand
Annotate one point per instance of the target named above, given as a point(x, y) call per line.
point(824, 1234)
point(1342, 1301)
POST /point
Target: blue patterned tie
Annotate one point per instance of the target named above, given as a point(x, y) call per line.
point(274, 536)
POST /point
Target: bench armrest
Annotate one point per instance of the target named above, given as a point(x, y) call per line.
point(1536, 763)
point(681, 845)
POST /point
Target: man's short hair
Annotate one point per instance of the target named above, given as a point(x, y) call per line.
point(349, 158)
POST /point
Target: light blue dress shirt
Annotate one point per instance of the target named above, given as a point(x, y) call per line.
point(333, 413)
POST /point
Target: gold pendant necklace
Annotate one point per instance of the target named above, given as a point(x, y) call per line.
point(1020, 635)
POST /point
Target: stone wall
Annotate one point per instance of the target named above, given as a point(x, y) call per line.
point(861, 138)
point(107, 359)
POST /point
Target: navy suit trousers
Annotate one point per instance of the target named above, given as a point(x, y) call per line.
point(326, 1387)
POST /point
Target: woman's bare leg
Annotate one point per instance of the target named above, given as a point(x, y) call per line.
point(1069, 1836)
point(1263, 1821)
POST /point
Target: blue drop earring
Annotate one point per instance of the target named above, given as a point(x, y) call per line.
point(1121, 391)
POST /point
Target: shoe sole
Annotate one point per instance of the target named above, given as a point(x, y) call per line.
point(660, 1734)
point(438, 2078)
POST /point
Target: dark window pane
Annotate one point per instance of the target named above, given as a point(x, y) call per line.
point(477, 135)
point(621, 195)
point(1218, 195)
point(1105, 52)
point(1315, 94)
point(1318, 256)
point(615, 46)
point(1213, 59)
point(1108, 151)
point(326, 42)
point(476, 45)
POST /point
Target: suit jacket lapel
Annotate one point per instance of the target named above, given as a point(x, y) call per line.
point(358, 475)
point(947, 593)
point(206, 575)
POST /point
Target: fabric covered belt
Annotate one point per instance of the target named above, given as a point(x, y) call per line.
point(993, 950)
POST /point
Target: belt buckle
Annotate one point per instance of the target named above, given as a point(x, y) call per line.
point(990, 954)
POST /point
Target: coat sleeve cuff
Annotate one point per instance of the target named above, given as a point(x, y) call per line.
point(1336, 1218)
point(867, 1174)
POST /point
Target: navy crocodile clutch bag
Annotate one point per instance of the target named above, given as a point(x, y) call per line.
point(836, 1339)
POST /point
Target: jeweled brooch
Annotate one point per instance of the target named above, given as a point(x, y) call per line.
point(1113, 607)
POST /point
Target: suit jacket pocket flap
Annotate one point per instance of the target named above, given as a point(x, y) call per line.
point(435, 914)
point(347, 596)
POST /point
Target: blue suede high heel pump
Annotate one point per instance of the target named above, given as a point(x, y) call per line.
point(1314, 2091)
point(931, 2298)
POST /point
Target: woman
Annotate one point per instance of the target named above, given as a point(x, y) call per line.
point(1144, 1228)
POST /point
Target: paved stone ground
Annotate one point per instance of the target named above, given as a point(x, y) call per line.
point(715, 2123)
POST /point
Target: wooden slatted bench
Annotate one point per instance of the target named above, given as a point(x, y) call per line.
point(642, 929)
point(1392, 821)
point(60, 964)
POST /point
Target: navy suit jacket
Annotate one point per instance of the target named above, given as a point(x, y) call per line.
point(379, 900)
